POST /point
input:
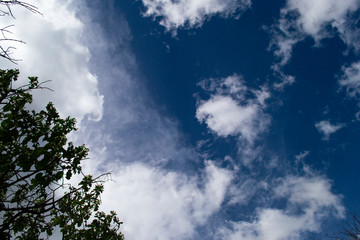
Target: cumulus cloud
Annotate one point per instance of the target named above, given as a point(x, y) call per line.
point(231, 111)
point(225, 117)
point(191, 13)
point(235, 110)
point(54, 51)
point(312, 195)
point(159, 204)
point(326, 128)
point(302, 18)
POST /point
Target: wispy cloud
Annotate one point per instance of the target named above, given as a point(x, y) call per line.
point(313, 196)
point(302, 18)
point(351, 80)
point(326, 128)
point(191, 13)
point(301, 156)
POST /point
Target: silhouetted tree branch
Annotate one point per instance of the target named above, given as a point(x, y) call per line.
point(350, 230)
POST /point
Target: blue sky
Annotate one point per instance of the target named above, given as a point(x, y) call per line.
point(218, 119)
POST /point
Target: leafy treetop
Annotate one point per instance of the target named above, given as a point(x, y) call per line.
point(36, 160)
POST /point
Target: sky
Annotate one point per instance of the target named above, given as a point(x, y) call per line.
point(234, 119)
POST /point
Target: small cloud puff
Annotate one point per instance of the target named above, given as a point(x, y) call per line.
point(326, 128)
point(225, 117)
point(233, 109)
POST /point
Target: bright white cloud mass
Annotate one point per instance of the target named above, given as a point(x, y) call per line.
point(158, 204)
point(199, 146)
point(53, 51)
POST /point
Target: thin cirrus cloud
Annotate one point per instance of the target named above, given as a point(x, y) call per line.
point(191, 13)
point(134, 142)
point(299, 19)
point(131, 129)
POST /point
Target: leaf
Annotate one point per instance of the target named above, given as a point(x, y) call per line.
point(68, 174)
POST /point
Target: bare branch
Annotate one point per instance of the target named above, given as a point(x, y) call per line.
point(6, 52)
point(10, 3)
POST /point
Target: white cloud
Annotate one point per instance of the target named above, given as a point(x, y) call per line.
point(241, 192)
point(229, 111)
point(312, 192)
point(326, 128)
point(302, 18)
point(191, 13)
point(224, 116)
point(54, 51)
point(157, 204)
point(235, 110)
point(312, 195)
point(351, 80)
point(301, 156)
point(315, 15)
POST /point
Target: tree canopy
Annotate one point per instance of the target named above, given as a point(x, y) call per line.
point(37, 160)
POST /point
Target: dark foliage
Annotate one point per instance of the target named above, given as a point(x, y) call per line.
point(36, 162)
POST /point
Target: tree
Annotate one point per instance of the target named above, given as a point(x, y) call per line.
point(351, 230)
point(5, 10)
point(36, 162)
point(348, 230)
